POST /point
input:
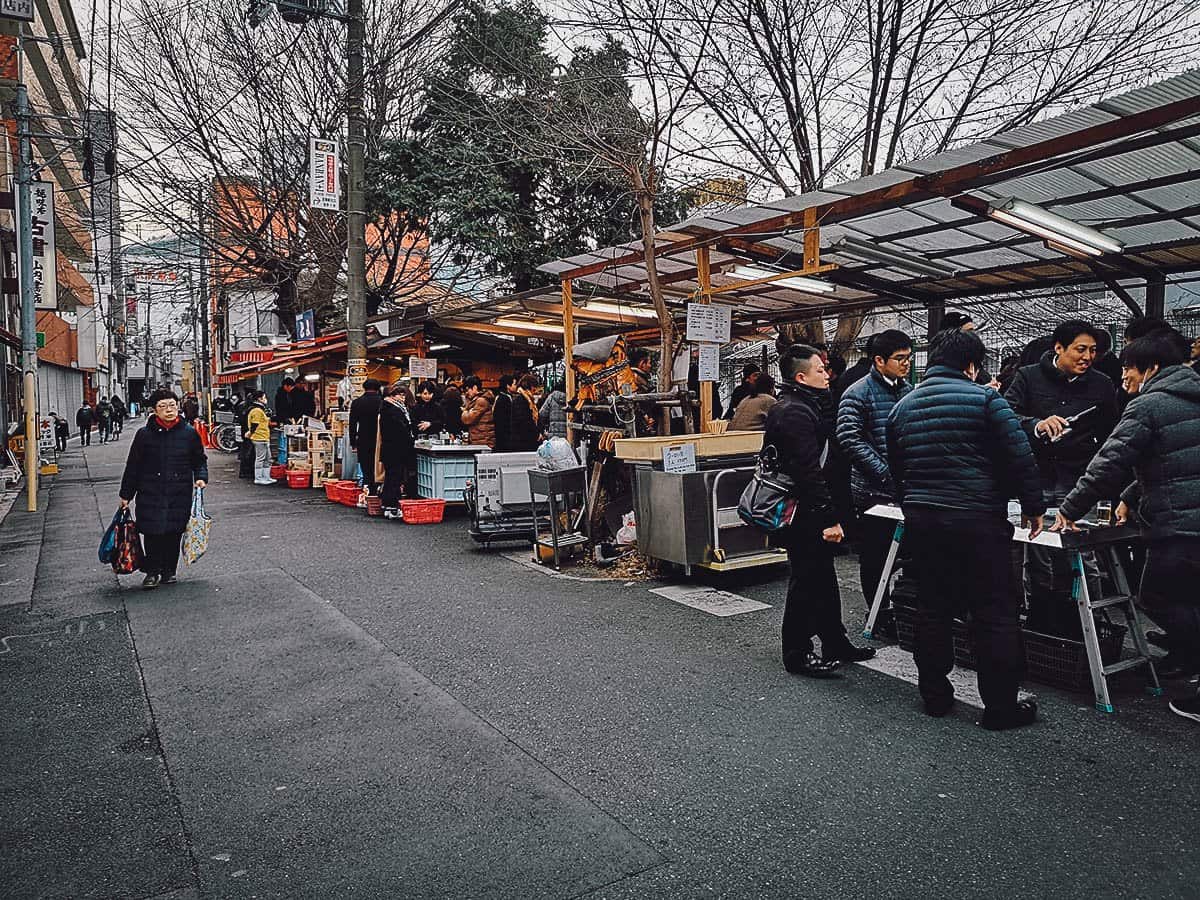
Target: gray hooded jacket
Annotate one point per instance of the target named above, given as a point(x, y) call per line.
point(1157, 441)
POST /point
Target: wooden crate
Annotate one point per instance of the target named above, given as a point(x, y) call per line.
point(731, 443)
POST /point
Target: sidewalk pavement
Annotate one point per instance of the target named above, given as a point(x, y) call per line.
point(333, 706)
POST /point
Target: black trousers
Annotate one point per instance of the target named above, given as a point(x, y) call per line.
point(60, 442)
point(85, 437)
point(814, 604)
point(1170, 591)
point(162, 553)
point(874, 540)
point(395, 483)
point(962, 564)
point(246, 459)
point(367, 462)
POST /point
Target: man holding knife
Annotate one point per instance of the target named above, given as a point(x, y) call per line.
point(1067, 409)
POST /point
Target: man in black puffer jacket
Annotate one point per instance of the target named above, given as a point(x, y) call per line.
point(1158, 442)
point(1044, 396)
point(800, 432)
point(166, 460)
point(862, 434)
point(957, 453)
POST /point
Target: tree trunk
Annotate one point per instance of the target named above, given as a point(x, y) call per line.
point(666, 325)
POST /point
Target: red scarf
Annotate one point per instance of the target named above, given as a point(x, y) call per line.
point(167, 426)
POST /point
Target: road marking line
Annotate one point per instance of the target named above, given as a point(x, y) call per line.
point(710, 600)
point(899, 663)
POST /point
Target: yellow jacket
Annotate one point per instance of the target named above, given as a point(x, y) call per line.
point(259, 425)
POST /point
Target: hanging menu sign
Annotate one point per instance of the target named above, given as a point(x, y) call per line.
point(708, 323)
point(709, 363)
point(422, 367)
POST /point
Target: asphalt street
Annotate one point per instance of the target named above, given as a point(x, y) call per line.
point(328, 705)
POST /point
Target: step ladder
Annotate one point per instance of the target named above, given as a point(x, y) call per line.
point(1123, 598)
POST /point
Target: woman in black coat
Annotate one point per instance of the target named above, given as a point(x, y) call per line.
point(427, 416)
point(396, 451)
point(165, 462)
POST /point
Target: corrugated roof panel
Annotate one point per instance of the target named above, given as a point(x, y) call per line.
point(1175, 196)
point(987, 259)
point(1140, 165)
point(957, 157)
point(1102, 210)
point(700, 224)
point(937, 241)
point(1045, 187)
point(1151, 233)
point(882, 224)
point(1035, 133)
point(801, 201)
point(1181, 87)
point(942, 211)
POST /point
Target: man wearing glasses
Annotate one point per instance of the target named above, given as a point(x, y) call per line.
point(862, 434)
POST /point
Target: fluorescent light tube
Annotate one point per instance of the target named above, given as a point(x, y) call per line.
point(1031, 218)
point(532, 326)
point(796, 282)
point(891, 257)
point(617, 310)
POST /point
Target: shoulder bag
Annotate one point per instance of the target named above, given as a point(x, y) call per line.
point(769, 501)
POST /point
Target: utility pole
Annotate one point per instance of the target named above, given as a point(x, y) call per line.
point(205, 377)
point(29, 360)
point(356, 242)
point(146, 391)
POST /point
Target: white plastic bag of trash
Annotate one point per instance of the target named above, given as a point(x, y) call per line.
point(555, 453)
point(627, 533)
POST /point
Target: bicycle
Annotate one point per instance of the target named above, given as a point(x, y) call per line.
point(225, 437)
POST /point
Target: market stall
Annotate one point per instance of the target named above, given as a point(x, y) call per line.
point(686, 491)
point(1053, 658)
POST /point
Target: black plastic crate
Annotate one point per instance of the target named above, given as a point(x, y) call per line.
point(1052, 660)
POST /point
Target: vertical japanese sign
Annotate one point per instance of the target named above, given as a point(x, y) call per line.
point(21, 10)
point(45, 265)
point(323, 174)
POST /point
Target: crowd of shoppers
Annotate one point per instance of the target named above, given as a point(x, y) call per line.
point(952, 452)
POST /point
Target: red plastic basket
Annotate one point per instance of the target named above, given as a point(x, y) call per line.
point(299, 478)
point(422, 512)
point(374, 505)
point(278, 472)
point(331, 490)
point(348, 492)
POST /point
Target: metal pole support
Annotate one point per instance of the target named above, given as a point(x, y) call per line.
point(29, 359)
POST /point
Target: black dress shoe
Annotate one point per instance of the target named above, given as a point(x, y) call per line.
point(938, 708)
point(151, 581)
point(812, 665)
point(1158, 639)
point(1018, 716)
point(850, 653)
point(169, 579)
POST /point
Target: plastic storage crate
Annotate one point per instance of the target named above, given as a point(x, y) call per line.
point(1049, 659)
point(444, 477)
point(422, 512)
